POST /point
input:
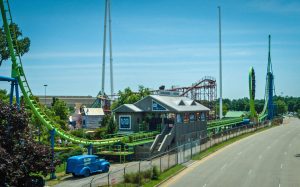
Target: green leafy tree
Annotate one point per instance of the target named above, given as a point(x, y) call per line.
point(281, 107)
point(20, 155)
point(112, 126)
point(128, 96)
point(23, 43)
point(60, 109)
point(4, 97)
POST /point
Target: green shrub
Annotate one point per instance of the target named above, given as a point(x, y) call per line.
point(155, 173)
point(129, 177)
point(147, 174)
point(136, 178)
point(130, 139)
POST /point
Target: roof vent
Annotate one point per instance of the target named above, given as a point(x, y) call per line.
point(181, 103)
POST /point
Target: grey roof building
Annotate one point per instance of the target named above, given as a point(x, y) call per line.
point(174, 116)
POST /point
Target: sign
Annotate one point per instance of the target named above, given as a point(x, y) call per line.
point(157, 107)
point(125, 122)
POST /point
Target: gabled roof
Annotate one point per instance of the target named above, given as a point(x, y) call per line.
point(133, 107)
point(125, 107)
point(93, 111)
point(176, 103)
point(170, 103)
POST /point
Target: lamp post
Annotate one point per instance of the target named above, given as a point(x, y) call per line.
point(220, 65)
point(45, 85)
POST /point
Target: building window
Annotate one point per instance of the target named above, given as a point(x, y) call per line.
point(192, 117)
point(124, 122)
point(202, 116)
point(179, 118)
point(186, 118)
point(197, 116)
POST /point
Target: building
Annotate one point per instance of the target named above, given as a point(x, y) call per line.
point(177, 118)
point(236, 114)
point(92, 117)
point(69, 100)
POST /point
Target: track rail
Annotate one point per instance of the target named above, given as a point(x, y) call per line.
point(18, 73)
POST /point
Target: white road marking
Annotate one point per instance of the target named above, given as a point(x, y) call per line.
point(250, 171)
point(260, 157)
point(204, 185)
point(223, 167)
point(279, 185)
point(281, 166)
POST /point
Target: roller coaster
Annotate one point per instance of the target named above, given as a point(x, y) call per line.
point(18, 79)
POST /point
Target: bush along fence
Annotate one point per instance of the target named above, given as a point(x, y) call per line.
point(140, 172)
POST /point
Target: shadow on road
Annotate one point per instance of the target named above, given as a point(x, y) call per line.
point(71, 178)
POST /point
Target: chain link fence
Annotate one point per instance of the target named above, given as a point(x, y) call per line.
point(178, 155)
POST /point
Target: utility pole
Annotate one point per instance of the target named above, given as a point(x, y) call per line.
point(110, 53)
point(104, 48)
point(220, 65)
point(107, 14)
point(45, 85)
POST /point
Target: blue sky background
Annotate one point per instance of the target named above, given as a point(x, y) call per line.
point(170, 42)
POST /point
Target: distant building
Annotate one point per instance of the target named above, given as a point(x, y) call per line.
point(92, 117)
point(235, 114)
point(69, 100)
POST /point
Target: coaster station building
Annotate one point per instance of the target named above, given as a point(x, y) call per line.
point(176, 118)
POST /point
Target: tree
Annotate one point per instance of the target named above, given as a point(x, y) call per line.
point(60, 109)
point(21, 48)
point(4, 96)
point(281, 107)
point(20, 155)
point(128, 96)
point(112, 126)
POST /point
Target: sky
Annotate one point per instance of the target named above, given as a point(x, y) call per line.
point(158, 42)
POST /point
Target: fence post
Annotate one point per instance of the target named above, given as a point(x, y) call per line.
point(92, 181)
point(177, 155)
point(140, 173)
point(168, 160)
point(108, 179)
point(183, 152)
point(191, 149)
point(124, 171)
point(160, 163)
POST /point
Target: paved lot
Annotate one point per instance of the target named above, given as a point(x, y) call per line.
point(270, 158)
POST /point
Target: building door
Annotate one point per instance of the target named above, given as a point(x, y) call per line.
point(154, 123)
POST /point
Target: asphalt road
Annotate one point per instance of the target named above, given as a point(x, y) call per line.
point(269, 159)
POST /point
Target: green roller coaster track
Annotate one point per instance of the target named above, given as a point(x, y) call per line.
point(18, 73)
point(269, 89)
point(38, 111)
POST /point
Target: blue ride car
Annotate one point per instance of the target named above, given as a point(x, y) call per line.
point(84, 165)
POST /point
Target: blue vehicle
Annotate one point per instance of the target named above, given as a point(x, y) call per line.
point(84, 165)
